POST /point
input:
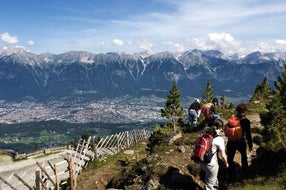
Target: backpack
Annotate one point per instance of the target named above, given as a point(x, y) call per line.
point(202, 151)
point(233, 129)
point(206, 110)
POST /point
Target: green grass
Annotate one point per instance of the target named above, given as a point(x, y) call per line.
point(262, 183)
point(112, 164)
point(258, 187)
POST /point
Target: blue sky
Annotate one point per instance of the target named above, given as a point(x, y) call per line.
point(133, 26)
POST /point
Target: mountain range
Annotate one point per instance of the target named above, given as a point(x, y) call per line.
point(82, 75)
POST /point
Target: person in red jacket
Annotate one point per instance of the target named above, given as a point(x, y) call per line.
point(210, 112)
point(240, 144)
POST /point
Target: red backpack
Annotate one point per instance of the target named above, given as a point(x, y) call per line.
point(202, 151)
point(206, 110)
point(233, 129)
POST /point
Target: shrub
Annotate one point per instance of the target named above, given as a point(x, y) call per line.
point(160, 136)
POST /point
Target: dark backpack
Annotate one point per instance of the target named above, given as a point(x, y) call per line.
point(202, 151)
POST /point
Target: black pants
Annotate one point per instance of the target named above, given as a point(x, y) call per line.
point(232, 146)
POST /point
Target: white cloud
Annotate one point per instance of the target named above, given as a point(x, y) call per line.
point(266, 47)
point(101, 44)
point(118, 42)
point(146, 45)
point(225, 43)
point(129, 42)
point(31, 43)
point(3, 47)
point(200, 43)
point(172, 46)
point(282, 42)
point(6, 38)
point(222, 37)
point(179, 47)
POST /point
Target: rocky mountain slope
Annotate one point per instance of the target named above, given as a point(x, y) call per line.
point(83, 75)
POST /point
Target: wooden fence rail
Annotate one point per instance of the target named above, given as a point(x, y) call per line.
point(48, 175)
point(115, 143)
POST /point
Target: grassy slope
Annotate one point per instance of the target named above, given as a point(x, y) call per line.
point(98, 174)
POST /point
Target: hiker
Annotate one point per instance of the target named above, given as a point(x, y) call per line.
point(194, 113)
point(214, 109)
point(240, 143)
point(210, 112)
point(218, 147)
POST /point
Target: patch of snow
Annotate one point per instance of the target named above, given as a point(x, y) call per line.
point(86, 59)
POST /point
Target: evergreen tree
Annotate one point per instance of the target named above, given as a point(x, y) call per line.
point(85, 136)
point(264, 87)
point(172, 109)
point(208, 93)
point(262, 91)
point(36, 146)
point(274, 133)
point(223, 101)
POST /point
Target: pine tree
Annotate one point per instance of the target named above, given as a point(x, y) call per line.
point(172, 109)
point(262, 91)
point(265, 88)
point(208, 93)
point(223, 101)
point(274, 133)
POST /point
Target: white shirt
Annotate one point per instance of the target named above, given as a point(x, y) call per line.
point(217, 146)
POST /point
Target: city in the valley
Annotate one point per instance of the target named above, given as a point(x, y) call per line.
point(119, 110)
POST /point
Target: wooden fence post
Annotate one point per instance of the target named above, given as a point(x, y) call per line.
point(118, 145)
point(54, 168)
point(70, 162)
point(7, 183)
point(46, 173)
point(25, 183)
point(93, 147)
point(38, 180)
point(57, 178)
point(128, 139)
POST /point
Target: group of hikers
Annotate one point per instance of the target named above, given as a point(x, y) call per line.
point(237, 131)
point(208, 109)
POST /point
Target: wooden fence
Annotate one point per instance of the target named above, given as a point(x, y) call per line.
point(40, 152)
point(52, 174)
